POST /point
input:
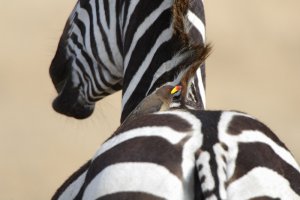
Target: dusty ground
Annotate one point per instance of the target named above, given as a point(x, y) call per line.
point(254, 68)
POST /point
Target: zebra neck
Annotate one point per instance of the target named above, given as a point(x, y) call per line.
point(152, 47)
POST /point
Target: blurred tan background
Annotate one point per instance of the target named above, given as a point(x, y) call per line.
point(255, 67)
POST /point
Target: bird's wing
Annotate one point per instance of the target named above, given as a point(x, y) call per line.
point(150, 104)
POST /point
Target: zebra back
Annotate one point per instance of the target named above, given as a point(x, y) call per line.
point(188, 154)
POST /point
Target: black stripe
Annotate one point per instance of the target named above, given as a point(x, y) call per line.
point(197, 186)
point(118, 9)
point(195, 36)
point(164, 53)
point(174, 43)
point(104, 37)
point(93, 41)
point(264, 198)
point(60, 67)
point(87, 79)
point(197, 8)
point(196, 92)
point(81, 27)
point(243, 123)
point(91, 67)
point(83, 2)
point(168, 120)
point(125, 14)
point(84, 76)
point(117, 86)
point(251, 155)
point(94, 96)
point(136, 149)
point(106, 10)
point(90, 64)
point(70, 180)
point(144, 44)
point(130, 196)
point(203, 73)
point(107, 83)
point(209, 129)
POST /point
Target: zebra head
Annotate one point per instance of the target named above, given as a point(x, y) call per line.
point(135, 46)
point(80, 74)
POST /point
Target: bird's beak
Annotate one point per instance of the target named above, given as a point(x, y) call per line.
point(176, 89)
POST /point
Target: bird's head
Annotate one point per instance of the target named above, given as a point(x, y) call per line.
point(167, 92)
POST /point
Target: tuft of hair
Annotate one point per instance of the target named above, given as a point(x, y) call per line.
point(194, 61)
point(194, 54)
point(180, 9)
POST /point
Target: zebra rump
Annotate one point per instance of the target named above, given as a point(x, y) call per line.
point(187, 154)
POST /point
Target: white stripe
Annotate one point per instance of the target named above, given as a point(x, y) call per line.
point(201, 87)
point(189, 149)
point(197, 23)
point(170, 135)
point(135, 177)
point(209, 181)
point(221, 166)
point(261, 182)
point(73, 189)
point(225, 119)
point(163, 37)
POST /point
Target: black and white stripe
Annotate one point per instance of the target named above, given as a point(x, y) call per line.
point(186, 154)
point(108, 45)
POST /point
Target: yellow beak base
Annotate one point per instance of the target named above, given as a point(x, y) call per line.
point(176, 89)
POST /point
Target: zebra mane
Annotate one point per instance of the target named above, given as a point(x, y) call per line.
point(195, 54)
point(196, 59)
point(180, 8)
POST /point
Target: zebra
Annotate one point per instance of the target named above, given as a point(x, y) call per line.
point(136, 46)
point(193, 154)
point(184, 154)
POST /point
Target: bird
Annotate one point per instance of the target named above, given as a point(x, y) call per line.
point(159, 100)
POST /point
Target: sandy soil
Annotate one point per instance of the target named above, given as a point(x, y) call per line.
point(254, 68)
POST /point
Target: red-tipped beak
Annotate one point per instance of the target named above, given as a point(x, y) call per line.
point(176, 89)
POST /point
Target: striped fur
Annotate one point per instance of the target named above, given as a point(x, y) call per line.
point(136, 46)
point(187, 154)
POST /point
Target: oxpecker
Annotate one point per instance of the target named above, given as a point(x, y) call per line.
point(159, 100)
